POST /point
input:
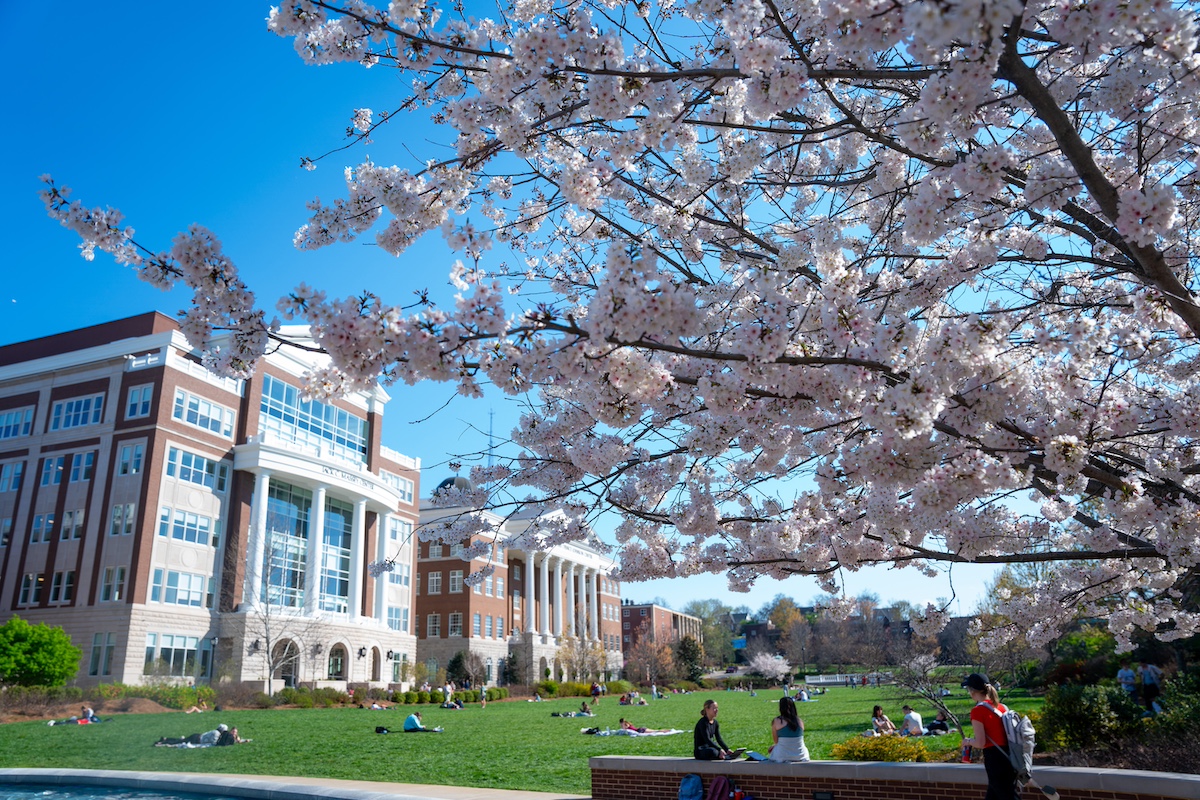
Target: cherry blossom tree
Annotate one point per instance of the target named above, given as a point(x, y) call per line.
point(803, 286)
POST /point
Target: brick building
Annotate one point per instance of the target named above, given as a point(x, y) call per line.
point(181, 525)
point(555, 609)
point(658, 623)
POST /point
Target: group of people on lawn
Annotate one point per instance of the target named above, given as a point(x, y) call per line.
point(911, 725)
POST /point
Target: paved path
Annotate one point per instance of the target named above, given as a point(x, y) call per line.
point(265, 786)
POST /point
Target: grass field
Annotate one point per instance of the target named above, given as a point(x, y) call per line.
point(510, 745)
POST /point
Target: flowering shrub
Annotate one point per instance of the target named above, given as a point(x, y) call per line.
point(880, 748)
point(165, 694)
point(547, 688)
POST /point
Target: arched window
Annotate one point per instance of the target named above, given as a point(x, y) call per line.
point(337, 663)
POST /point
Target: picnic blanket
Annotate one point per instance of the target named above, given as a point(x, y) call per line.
point(623, 732)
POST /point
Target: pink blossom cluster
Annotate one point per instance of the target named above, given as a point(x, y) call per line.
point(795, 287)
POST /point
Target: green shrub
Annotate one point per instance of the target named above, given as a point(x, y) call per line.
point(437, 696)
point(1077, 717)
point(412, 698)
point(619, 687)
point(547, 688)
point(574, 689)
point(423, 697)
point(880, 748)
point(327, 697)
point(472, 696)
point(261, 700)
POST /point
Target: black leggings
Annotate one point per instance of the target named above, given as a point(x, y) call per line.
point(708, 753)
point(1002, 778)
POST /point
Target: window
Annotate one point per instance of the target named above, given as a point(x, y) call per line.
point(178, 655)
point(401, 575)
point(81, 466)
point(435, 550)
point(516, 602)
point(334, 581)
point(72, 525)
point(187, 527)
point(16, 423)
point(402, 485)
point(455, 624)
point(197, 469)
point(202, 413)
point(76, 412)
point(627, 639)
point(487, 626)
point(123, 519)
point(337, 663)
point(435, 583)
point(130, 462)
point(137, 403)
point(478, 587)
point(489, 586)
point(399, 529)
point(10, 476)
point(5, 531)
point(52, 470)
point(43, 528)
point(643, 611)
point(476, 624)
point(499, 586)
point(181, 589)
point(456, 581)
point(393, 620)
point(62, 588)
point(310, 422)
point(499, 627)
point(625, 625)
point(113, 587)
point(456, 550)
point(104, 645)
point(488, 665)
point(516, 572)
point(625, 612)
point(31, 589)
point(433, 626)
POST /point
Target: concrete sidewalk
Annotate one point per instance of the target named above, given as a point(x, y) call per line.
point(262, 787)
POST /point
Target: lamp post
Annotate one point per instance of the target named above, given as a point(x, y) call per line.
point(212, 675)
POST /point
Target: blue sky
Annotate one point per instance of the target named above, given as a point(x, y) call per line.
point(178, 113)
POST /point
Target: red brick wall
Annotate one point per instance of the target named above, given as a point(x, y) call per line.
point(846, 781)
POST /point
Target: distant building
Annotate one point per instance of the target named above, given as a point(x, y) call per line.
point(545, 612)
point(180, 525)
point(657, 623)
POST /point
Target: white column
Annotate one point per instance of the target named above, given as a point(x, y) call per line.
point(594, 603)
point(381, 582)
point(530, 618)
point(256, 547)
point(558, 598)
point(571, 613)
point(544, 590)
point(581, 609)
point(357, 536)
point(316, 544)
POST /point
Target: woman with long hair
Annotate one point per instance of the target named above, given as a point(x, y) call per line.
point(787, 732)
point(708, 744)
point(988, 735)
point(880, 722)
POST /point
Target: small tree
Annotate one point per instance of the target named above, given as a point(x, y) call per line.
point(36, 655)
point(689, 655)
point(772, 668)
point(650, 661)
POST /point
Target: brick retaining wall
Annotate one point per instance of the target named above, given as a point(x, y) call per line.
point(657, 778)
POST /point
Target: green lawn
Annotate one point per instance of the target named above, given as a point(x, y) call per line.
point(510, 745)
